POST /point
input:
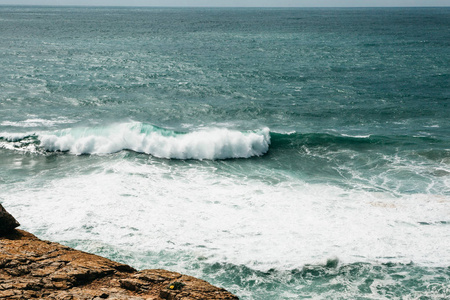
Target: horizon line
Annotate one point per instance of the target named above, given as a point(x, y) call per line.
point(207, 6)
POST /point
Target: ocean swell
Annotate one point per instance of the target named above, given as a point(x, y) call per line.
point(209, 143)
point(212, 143)
point(343, 141)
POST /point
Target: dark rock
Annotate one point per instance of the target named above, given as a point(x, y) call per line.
point(7, 221)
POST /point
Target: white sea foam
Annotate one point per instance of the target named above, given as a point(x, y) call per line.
point(37, 122)
point(13, 137)
point(356, 136)
point(219, 217)
point(212, 143)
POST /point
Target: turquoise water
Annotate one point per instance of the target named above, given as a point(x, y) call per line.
point(278, 153)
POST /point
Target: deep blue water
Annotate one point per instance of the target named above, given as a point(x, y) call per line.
point(278, 153)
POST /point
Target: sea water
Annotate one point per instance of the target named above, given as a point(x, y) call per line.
point(278, 153)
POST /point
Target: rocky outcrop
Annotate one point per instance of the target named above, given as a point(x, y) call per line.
point(7, 221)
point(33, 268)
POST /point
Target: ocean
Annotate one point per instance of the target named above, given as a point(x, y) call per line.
point(277, 153)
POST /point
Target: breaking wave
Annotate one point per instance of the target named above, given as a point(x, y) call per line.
point(212, 143)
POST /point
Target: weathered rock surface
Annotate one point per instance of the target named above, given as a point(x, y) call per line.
point(33, 268)
point(7, 221)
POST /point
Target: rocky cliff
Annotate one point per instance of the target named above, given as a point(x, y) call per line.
point(33, 268)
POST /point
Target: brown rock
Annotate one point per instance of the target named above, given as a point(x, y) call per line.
point(7, 221)
point(32, 268)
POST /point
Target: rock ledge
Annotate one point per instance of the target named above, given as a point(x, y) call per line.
point(33, 268)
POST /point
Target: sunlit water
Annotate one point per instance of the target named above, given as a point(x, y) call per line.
point(280, 154)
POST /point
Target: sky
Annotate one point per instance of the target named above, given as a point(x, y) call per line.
point(236, 3)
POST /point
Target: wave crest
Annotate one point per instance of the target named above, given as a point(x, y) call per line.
point(213, 143)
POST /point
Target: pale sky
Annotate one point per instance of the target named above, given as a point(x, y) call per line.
point(236, 3)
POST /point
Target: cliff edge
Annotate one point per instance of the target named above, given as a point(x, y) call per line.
point(33, 268)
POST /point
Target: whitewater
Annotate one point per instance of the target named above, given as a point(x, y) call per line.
point(278, 153)
point(214, 143)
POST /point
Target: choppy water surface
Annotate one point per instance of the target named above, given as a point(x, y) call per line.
point(278, 153)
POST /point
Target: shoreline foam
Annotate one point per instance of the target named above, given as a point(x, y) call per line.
point(33, 268)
